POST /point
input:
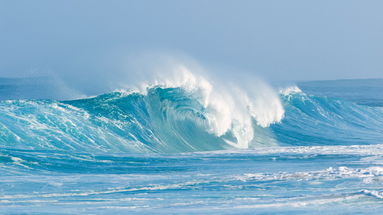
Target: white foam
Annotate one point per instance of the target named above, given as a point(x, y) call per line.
point(304, 202)
point(367, 175)
point(374, 193)
point(290, 90)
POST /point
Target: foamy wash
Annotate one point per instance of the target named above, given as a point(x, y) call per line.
point(185, 143)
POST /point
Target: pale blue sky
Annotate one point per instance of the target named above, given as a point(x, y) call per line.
point(286, 39)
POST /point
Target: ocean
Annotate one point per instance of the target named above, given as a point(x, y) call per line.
point(187, 148)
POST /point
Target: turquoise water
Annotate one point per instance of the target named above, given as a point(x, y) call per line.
point(163, 152)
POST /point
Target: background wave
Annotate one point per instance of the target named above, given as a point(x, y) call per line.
point(322, 120)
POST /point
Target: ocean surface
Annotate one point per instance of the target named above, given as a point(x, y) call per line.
point(308, 148)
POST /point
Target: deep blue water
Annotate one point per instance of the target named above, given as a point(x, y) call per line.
point(155, 152)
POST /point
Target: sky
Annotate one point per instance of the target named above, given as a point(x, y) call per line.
point(274, 39)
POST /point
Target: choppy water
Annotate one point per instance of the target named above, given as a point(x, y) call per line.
point(173, 150)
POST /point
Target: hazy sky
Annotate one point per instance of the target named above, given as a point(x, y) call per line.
point(286, 39)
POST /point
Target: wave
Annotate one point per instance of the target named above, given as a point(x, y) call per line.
point(179, 113)
point(185, 114)
point(321, 120)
